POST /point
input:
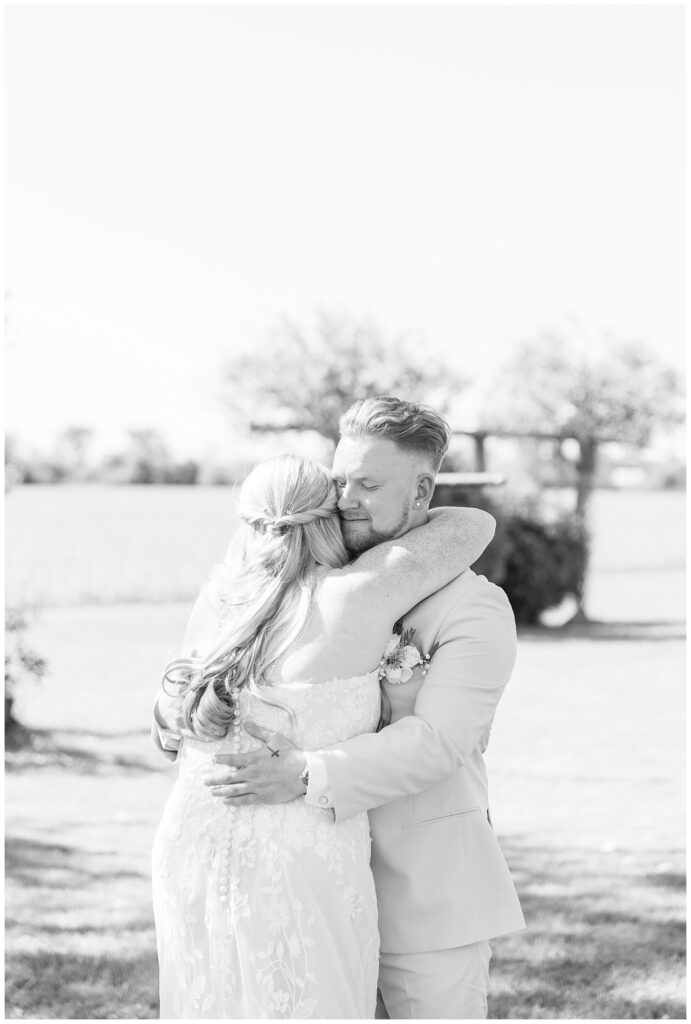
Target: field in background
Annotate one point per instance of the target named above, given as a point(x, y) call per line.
point(93, 544)
point(96, 544)
point(586, 770)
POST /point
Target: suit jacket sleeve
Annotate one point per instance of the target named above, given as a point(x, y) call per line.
point(452, 715)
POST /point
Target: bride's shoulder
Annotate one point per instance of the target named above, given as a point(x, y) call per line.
point(345, 600)
point(335, 582)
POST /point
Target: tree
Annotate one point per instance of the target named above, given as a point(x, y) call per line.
point(306, 378)
point(15, 470)
point(617, 392)
point(21, 660)
point(556, 385)
point(21, 664)
point(75, 442)
point(150, 456)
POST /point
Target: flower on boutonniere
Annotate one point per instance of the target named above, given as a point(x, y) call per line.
point(401, 656)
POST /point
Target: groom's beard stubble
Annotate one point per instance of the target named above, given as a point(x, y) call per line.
point(360, 535)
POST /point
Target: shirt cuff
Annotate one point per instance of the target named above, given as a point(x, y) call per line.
point(168, 739)
point(317, 794)
point(170, 755)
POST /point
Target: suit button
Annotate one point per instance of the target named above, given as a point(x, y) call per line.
point(323, 799)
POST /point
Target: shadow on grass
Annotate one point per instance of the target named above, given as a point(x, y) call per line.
point(605, 939)
point(99, 753)
point(79, 929)
point(67, 730)
point(78, 987)
point(80, 940)
point(596, 629)
point(668, 880)
point(53, 866)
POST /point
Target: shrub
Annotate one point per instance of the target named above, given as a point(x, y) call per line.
point(21, 664)
point(545, 562)
point(147, 471)
point(537, 562)
point(186, 473)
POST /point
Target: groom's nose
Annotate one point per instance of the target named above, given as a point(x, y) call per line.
point(346, 499)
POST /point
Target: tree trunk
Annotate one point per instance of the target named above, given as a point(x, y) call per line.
point(586, 468)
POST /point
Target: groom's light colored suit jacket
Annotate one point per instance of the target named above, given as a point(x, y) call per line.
point(440, 875)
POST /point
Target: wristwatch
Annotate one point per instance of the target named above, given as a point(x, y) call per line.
point(305, 778)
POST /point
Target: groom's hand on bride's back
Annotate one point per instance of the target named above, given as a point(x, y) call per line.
point(270, 775)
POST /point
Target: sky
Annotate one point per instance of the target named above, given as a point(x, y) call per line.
point(178, 178)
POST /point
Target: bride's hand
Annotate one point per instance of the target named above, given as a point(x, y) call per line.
point(267, 776)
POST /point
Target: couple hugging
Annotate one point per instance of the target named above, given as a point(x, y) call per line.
point(293, 712)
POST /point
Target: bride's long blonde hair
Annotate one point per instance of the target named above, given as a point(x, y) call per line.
point(289, 526)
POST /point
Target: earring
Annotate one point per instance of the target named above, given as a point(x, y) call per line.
point(417, 504)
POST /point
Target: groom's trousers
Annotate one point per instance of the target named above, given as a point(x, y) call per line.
point(442, 984)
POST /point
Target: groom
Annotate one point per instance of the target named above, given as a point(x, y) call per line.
point(443, 886)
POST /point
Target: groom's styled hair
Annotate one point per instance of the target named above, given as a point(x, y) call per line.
point(412, 427)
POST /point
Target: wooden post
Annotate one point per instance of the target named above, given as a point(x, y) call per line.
point(480, 454)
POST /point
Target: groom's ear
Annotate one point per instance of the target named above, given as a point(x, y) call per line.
point(425, 488)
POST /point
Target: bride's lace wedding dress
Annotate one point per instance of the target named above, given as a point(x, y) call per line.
point(268, 911)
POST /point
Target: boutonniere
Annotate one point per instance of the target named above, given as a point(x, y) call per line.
point(401, 656)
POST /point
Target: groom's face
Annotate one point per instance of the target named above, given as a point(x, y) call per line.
point(377, 487)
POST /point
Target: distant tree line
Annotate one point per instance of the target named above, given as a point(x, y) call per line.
point(145, 460)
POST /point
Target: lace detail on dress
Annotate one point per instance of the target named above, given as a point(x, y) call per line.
point(268, 911)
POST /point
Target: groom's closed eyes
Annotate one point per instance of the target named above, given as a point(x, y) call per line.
point(364, 482)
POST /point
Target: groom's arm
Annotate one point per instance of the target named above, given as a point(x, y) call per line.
point(452, 715)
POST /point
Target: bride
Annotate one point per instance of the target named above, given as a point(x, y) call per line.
point(270, 911)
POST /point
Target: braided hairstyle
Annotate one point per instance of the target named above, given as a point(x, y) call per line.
point(289, 526)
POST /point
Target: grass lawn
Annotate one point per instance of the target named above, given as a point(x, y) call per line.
point(586, 770)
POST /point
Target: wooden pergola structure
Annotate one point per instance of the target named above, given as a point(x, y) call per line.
point(480, 438)
point(480, 477)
